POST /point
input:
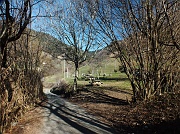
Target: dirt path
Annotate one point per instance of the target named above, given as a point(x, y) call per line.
point(58, 116)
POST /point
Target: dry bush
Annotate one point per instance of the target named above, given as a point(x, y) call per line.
point(61, 88)
point(18, 92)
point(20, 83)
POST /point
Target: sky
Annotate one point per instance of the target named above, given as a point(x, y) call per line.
point(41, 13)
point(1, 1)
point(41, 23)
point(40, 10)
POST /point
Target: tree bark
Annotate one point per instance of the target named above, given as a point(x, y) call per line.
point(4, 54)
point(75, 77)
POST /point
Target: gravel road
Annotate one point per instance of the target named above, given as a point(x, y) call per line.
point(62, 117)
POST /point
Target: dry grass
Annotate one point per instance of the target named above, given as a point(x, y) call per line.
point(32, 118)
point(110, 104)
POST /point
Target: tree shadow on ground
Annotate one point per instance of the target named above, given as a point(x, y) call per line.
point(129, 115)
point(98, 94)
point(100, 97)
point(114, 78)
point(166, 127)
point(124, 91)
point(130, 123)
point(73, 116)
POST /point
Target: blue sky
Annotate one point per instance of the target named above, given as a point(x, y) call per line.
point(41, 10)
point(1, 1)
point(41, 23)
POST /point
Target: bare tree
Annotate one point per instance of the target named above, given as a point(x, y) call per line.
point(19, 76)
point(15, 16)
point(73, 27)
point(141, 34)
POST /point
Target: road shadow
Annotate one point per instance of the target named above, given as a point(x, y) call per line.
point(74, 117)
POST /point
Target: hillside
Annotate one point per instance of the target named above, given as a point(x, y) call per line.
point(100, 61)
point(50, 44)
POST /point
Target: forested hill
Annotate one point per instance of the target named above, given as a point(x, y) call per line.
point(55, 47)
point(50, 44)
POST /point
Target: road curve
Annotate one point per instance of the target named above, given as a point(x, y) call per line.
point(62, 117)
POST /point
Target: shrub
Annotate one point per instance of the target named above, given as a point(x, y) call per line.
point(62, 88)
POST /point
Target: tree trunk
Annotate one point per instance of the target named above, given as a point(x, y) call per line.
point(134, 92)
point(4, 54)
point(75, 77)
